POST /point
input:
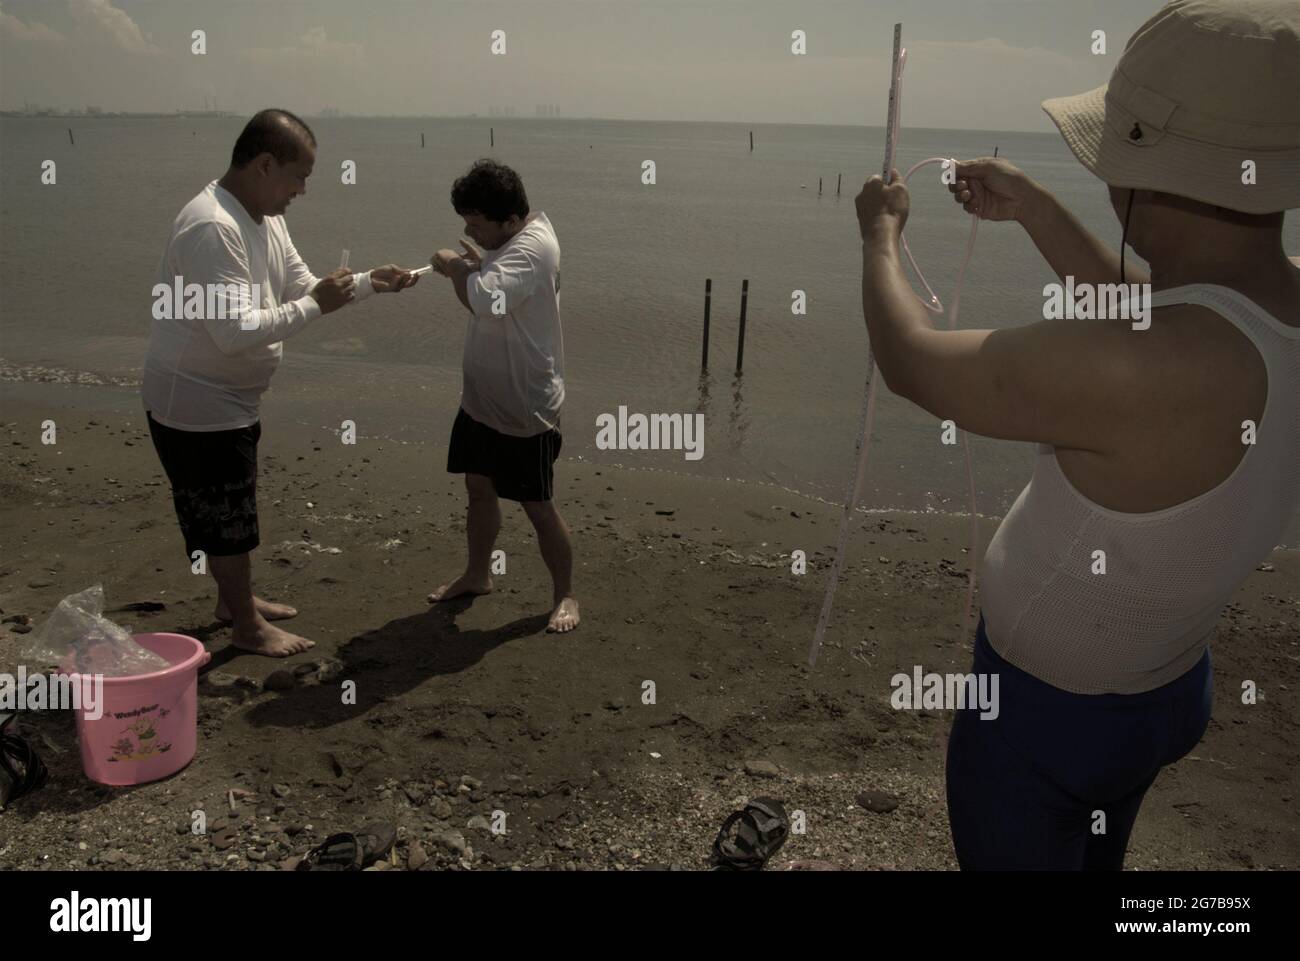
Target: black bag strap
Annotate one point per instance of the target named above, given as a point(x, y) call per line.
point(14, 750)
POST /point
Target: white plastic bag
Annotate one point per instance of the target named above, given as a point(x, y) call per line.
point(77, 637)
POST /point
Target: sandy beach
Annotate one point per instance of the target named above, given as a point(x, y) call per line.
point(467, 708)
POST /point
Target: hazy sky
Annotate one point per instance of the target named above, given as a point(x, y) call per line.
point(983, 64)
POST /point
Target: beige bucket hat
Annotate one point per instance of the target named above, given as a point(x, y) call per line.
point(1202, 87)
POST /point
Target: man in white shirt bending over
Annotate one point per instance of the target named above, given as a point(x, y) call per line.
point(231, 287)
point(507, 433)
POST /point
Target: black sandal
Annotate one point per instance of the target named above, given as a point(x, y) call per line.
point(763, 828)
point(29, 773)
point(350, 852)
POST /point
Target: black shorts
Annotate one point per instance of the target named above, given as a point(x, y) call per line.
point(214, 485)
point(521, 468)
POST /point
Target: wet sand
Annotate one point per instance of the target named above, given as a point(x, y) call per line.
point(470, 708)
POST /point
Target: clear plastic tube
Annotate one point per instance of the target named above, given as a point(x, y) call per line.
point(869, 406)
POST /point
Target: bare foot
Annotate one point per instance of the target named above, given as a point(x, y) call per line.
point(268, 609)
point(565, 616)
point(269, 640)
point(461, 585)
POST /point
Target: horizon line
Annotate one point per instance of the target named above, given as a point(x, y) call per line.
point(224, 114)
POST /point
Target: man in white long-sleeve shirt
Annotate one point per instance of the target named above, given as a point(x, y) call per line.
point(506, 436)
point(231, 287)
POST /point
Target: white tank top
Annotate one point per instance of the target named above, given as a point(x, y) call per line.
point(1169, 573)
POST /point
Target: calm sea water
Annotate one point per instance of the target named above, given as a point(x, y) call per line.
point(80, 259)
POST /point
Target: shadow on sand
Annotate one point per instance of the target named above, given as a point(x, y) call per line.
point(390, 661)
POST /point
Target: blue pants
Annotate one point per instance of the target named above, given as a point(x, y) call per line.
point(1025, 788)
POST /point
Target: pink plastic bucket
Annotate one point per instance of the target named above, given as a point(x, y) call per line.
point(148, 726)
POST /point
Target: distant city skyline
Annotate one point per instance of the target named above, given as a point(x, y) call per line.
point(972, 64)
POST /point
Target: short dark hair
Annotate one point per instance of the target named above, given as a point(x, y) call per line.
point(273, 131)
point(490, 189)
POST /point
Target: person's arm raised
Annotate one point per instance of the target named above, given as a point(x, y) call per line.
point(498, 290)
point(449, 264)
point(997, 190)
point(1067, 383)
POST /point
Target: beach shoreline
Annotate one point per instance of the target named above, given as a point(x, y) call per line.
point(467, 709)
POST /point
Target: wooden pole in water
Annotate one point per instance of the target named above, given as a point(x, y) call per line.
point(819, 186)
point(421, 140)
point(838, 178)
point(708, 297)
point(740, 345)
point(70, 140)
point(751, 140)
point(492, 137)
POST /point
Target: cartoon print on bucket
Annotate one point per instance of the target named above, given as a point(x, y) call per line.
point(149, 745)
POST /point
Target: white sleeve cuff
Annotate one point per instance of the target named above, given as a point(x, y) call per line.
point(364, 287)
point(310, 309)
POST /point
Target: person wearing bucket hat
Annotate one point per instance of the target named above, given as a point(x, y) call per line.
point(1168, 451)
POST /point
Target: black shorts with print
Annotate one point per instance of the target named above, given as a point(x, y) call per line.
point(214, 485)
point(520, 468)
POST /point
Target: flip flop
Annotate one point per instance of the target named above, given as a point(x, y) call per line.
point(761, 828)
point(350, 852)
point(21, 771)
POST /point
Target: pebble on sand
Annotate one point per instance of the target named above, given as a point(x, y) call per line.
point(762, 768)
point(440, 809)
point(877, 801)
point(453, 841)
